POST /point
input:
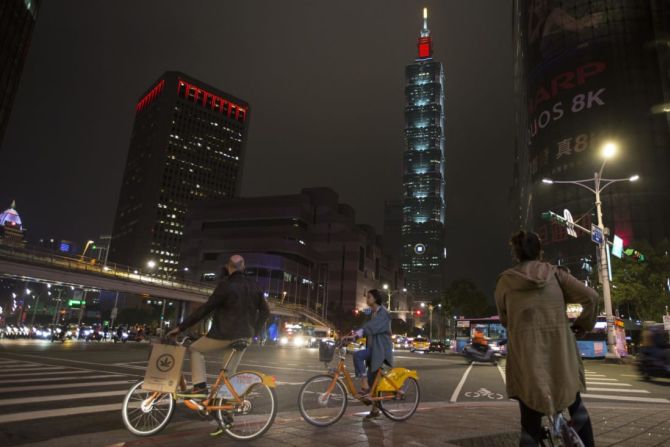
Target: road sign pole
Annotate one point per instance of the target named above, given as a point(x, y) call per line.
point(612, 354)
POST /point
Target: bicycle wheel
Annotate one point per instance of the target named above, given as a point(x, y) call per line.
point(569, 437)
point(253, 417)
point(143, 416)
point(318, 406)
point(404, 403)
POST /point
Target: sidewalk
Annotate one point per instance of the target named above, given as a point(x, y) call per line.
point(465, 425)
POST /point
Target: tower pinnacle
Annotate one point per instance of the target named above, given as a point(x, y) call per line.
point(425, 44)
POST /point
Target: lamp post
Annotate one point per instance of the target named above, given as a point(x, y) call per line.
point(388, 294)
point(83, 253)
point(599, 184)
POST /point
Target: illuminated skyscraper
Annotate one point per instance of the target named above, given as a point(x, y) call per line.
point(187, 145)
point(423, 237)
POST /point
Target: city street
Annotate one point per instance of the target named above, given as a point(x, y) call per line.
point(57, 390)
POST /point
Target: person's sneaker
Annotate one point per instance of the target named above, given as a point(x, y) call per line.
point(374, 412)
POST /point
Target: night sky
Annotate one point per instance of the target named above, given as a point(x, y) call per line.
point(325, 80)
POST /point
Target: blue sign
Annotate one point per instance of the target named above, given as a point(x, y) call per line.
point(596, 234)
point(65, 247)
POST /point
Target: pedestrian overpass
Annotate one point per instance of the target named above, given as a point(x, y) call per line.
point(40, 266)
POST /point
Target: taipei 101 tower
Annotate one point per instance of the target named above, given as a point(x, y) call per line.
point(423, 228)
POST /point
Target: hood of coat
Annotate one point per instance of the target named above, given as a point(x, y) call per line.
point(528, 275)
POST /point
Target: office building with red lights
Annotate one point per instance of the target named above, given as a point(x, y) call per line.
point(187, 144)
point(17, 20)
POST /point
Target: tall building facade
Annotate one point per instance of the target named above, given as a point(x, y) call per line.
point(17, 20)
point(423, 228)
point(589, 72)
point(187, 144)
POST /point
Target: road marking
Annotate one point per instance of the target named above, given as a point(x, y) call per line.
point(83, 371)
point(502, 374)
point(130, 363)
point(57, 379)
point(630, 375)
point(619, 390)
point(457, 391)
point(27, 416)
point(627, 398)
point(595, 375)
point(418, 358)
point(279, 367)
point(39, 399)
point(608, 383)
point(34, 368)
point(64, 386)
point(16, 362)
point(107, 365)
point(289, 383)
point(601, 379)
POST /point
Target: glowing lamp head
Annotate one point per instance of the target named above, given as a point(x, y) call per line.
point(548, 181)
point(609, 151)
point(634, 178)
point(151, 264)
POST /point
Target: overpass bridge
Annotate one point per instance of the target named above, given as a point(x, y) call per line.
point(41, 266)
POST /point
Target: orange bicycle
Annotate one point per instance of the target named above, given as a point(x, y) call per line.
point(323, 398)
point(244, 404)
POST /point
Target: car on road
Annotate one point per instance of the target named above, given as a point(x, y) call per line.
point(420, 345)
point(438, 346)
point(400, 342)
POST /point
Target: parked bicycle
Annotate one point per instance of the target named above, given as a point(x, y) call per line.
point(323, 399)
point(244, 405)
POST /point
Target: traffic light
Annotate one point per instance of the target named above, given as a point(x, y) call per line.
point(418, 313)
point(636, 255)
point(356, 312)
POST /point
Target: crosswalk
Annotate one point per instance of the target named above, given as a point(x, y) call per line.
point(31, 390)
point(601, 387)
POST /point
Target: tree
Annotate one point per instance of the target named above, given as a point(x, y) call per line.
point(464, 298)
point(640, 289)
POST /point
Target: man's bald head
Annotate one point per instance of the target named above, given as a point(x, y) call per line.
point(236, 264)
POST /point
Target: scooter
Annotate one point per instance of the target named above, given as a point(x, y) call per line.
point(473, 354)
point(654, 363)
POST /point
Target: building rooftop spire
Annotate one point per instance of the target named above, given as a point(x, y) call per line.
point(425, 32)
point(425, 45)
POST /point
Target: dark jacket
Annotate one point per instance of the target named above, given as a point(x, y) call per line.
point(239, 309)
point(544, 368)
point(378, 339)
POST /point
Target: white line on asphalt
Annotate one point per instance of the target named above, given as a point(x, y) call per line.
point(52, 373)
point(595, 375)
point(130, 363)
point(61, 386)
point(601, 379)
point(619, 390)
point(27, 416)
point(289, 383)
point(627, 398)
point(279, 367)
point(33, 368)
point(502, 374)
point(418, 358)
point(59, 397)
point(15, 362)
point(107, 365)
point(457, 391)
point(608, 383)
point(57, 379)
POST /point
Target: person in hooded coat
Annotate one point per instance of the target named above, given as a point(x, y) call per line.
point(544, 370)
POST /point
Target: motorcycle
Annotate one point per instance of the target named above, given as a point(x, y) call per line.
point(475, 354)
point(59, 334)
point(654, 363)
point(120, 337)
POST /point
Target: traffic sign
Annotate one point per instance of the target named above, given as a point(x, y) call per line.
point(617, 247)
point(597, 234)
point(570, 223)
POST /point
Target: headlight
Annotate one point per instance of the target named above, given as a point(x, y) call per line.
point(124, 334)
point(312, 340)
point(58, 331)
point(283, 341)
point(299, 341)
point(87, 332)
point(38, 333)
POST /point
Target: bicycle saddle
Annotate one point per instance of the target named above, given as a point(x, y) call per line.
point(239, 345)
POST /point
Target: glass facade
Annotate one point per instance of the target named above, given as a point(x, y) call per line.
point(423, 205)
point(588, 72)
point(17, 20)
point(187, 145)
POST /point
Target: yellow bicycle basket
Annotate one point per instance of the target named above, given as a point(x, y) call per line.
point(397, 377)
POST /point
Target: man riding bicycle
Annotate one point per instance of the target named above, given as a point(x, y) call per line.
point(239, 310)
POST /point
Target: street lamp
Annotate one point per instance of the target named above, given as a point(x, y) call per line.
point(151, 264)
point(86, 248)
point(388, 294)
point(599, 184)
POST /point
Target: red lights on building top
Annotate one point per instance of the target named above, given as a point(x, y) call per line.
point(425, 46)
point(150, 96)
point(210, 101)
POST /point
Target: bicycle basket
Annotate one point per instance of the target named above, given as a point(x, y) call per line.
point(326, 351)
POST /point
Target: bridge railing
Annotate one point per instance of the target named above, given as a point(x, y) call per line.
point(88, 265)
